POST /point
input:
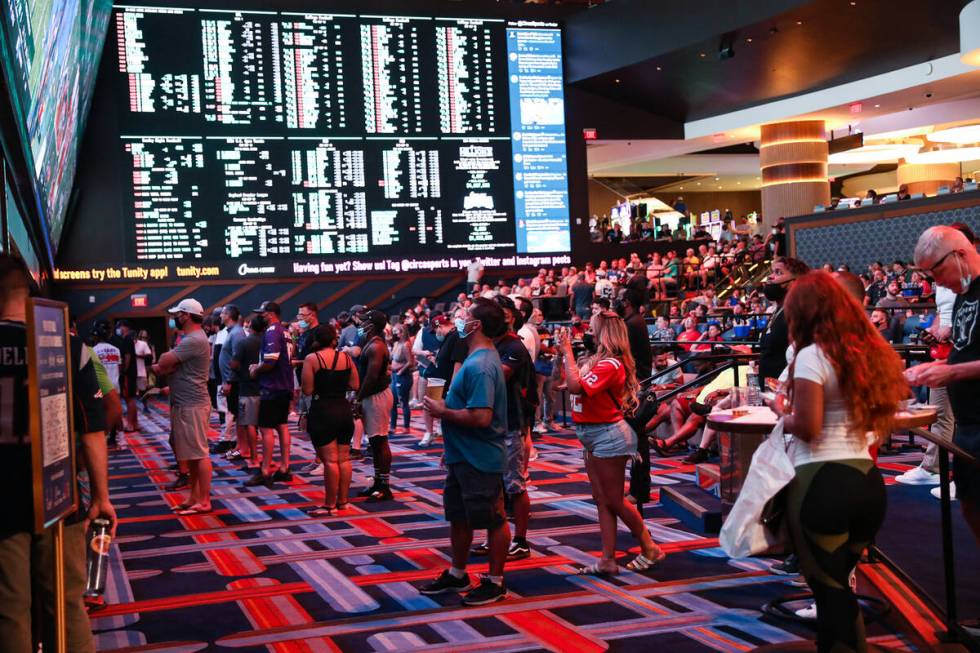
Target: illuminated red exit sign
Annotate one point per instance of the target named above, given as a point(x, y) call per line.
point(139, 301)
point(590, 134)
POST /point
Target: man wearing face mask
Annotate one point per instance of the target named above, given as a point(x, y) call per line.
point(187, 365)
point(276, 382)
point(451, 354)
point(375, 399)
point(474, 418)
point(952, 260)
point(775, 339)
point(307, 320)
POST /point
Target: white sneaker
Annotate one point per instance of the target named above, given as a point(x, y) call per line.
point(540, 428)
point(414, 404)
point(809, 612)
point(952, 492)
point(426, 440)
point(314, 470)
point(533, 454)
point(918, 476)
point(552, 426)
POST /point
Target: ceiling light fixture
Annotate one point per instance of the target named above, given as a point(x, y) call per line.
point(946, 153)
point(659, 68)
point(617, 80)
point(970, 34)
point(960, 135)
point(703, 55)
point(748, 40)
point(876, 153)
point(799, 22)
point(877, 106)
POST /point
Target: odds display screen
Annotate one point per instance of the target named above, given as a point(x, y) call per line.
point(281, 143)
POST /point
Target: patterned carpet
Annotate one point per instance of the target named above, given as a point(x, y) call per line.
point(260, 575)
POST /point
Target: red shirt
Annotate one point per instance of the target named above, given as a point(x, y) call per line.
point(688, 336)
point(602, 388)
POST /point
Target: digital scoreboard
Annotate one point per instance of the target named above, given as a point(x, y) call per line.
point(278, 143)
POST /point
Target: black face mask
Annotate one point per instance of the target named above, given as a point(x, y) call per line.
point(774, 292)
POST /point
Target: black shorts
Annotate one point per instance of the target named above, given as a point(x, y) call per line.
point(967, 477)
point(330, 420)
point(474, 497)
point(232, 399)
point(273, 411)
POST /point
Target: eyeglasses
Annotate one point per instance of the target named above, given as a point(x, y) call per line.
point(940, 261)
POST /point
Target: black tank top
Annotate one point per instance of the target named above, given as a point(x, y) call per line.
point(331, 384)
point(384, 380)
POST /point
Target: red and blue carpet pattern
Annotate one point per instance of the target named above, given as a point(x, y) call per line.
point(258, 574)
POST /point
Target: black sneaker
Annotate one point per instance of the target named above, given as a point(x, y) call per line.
point(788, 567)
point(697, 456)
point(183, 480)
point(381, 493)
point(224, 446)
point(486, 592)
point(518, 551)
point(480, 550)
point(258, 478)
point(368, 491)
point(281, 476)
point(446, 582)
point(356, 454)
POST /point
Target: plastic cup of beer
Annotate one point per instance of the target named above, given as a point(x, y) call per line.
point(434, 388)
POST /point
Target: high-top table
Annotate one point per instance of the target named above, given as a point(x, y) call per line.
point(739, 436)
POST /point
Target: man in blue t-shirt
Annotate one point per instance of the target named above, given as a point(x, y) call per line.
point(474, 427)
point(275, 376)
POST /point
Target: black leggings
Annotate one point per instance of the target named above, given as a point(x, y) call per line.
point(834, 509)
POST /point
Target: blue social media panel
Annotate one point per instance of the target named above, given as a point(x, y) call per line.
point(537, 119)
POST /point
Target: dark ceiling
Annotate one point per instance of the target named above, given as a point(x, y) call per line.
point(807, 46)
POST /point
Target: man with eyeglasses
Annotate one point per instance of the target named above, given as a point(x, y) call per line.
point(952, 260)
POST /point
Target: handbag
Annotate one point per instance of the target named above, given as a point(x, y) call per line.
point(755, 524)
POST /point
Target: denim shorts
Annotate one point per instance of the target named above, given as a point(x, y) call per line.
point(515, 476)
point(608, 440)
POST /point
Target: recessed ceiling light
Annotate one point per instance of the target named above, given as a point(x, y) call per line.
point(698, 183)
point(659, 68)
point(703, 55)
point(717, 178)
point(738, 183)
point(877, 106)
point(617, 80)
point(748, 40)
point(853, 4)
point(963, 134)
point(799, 22)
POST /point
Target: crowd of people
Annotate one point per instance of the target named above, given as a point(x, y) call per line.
point(486, 372)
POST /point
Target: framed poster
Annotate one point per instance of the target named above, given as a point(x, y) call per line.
point(49, 391)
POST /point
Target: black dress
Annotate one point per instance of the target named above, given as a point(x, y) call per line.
point(330, 418)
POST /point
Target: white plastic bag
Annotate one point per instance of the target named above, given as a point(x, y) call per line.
point(744, 533)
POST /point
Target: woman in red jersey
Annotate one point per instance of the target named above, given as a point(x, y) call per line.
point(602, 392)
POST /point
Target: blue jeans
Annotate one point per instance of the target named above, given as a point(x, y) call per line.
point(401, 390)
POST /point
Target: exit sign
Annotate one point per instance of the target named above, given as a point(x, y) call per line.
point(590, 134)
point(139, 301)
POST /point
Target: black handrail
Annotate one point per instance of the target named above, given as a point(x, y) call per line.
point(956, 632)
point(734, 360)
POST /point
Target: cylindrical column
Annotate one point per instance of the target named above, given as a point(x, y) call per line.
point(926, 177)
point(793, 158)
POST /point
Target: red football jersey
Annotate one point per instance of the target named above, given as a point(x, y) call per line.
point(602, 388)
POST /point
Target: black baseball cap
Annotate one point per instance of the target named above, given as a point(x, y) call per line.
point(269, 307)
point(377, 319)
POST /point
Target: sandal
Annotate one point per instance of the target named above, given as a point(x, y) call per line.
point(344, 505)
point(320, 511)
point(642, 563)
point(194, 510)
point(593, 570)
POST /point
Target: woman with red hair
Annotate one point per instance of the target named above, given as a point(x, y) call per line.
point(844, 387)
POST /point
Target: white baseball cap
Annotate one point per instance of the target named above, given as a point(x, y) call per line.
point(189, 306)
